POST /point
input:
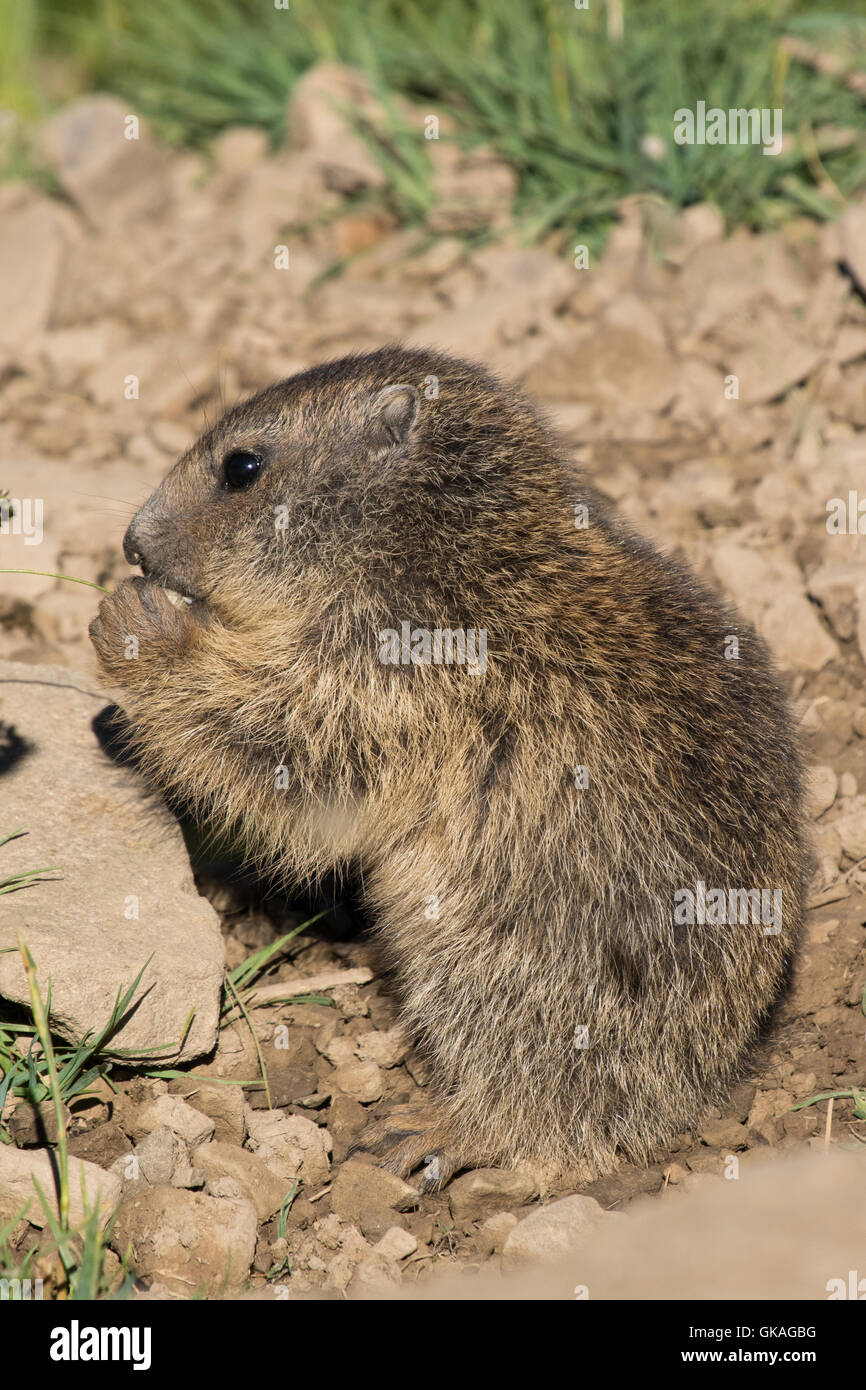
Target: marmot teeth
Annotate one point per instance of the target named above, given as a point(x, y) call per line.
point(174, 597)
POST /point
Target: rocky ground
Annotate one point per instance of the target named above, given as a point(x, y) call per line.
point(714, 387)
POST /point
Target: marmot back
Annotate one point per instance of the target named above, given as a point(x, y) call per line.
point(384, 621)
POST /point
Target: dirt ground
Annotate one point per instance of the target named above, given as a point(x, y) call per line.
point(714, 387)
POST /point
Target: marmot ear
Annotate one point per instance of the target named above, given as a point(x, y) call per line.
point(393, 412)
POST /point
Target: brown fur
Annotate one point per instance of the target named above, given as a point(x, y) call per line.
point(555, 904)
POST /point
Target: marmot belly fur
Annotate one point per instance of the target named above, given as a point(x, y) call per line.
point(419, 642)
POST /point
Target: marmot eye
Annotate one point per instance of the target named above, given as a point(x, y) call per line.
point(240, 469)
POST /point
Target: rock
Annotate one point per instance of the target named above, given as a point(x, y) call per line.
point(613, 365)
point(836, 588)
point(771, 366)
point(346, 1119)
point(387, 1048)
point(262, 1187)
point(371, 1275)
point(222, 1104)
point(803, 1083)
point(340, 1051)
point(288, 1084)
point(238, 148)
point(110, 176)
point(724, 1134)
point(553, 1231)
point(848, 784)
point(700, 392)
point(445, 253)
point(820, 790)
point(526, 286)
point(31, 251)
point(277, 196)
point(102, 1145)
point(363, 1081)
point(675, 1175)
point(349, 1000)
point(698, 489)
point(332, 1233)
point(159, 1154)
point(396, 1244)
point(290, 1146)
point(19, 1167)
point(486, 1190)
point(471, 190)
point(765, 1112)
point(834, 718)
point(754, 578)
point(34, 1126)
point(376, 1220)
point(189, 1241)
point(850, 826)
point(358, 231)
point(695, 1181)
point(126, 892)
point(852, 233)
point(227, 1187)
point(741, 1100)
point(494, 1231)
point(359, 1186)
point(326, 1253)
point(801, 1124)
point(187, 1176)
point(188, 1124)
point(699, 225)
point(325, 107)
point(793, 629)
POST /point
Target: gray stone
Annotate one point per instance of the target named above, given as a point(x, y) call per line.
point(363, 1081)
point(821, 786)
point(190, 1241)
point(852, 228)
point(836, 587)
point(188, 1177)
point(159, 1154)
point(396, 1244)
point(553, 1231)
point(171, 1111)
point(263, 1188)
point(108, 174)
point(488, 1190)
point(850, 826)
point(31, 250)
point(119, 852)
point(290, 1146)
point(222, 1104)
point(358, 1187)
point(793, 629)
point(323, 111)
point(34, 1126)
point(19, 1168)
point(494, 1231)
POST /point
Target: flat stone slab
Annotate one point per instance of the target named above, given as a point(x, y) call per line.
point(126, 892)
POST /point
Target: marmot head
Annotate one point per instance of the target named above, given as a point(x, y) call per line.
point(407, 477)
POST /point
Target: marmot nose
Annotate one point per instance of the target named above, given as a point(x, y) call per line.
point(131, 551)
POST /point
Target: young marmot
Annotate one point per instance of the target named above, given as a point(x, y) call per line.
point(383, 621)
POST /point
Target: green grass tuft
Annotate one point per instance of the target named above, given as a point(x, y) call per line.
point(546, 85)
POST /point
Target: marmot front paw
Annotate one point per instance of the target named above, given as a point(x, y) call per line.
point(137, 625)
